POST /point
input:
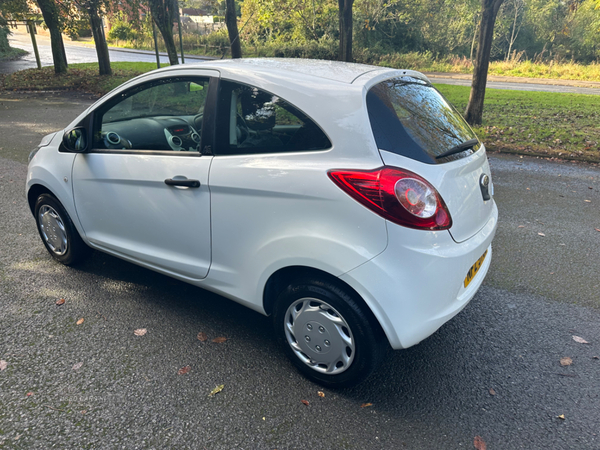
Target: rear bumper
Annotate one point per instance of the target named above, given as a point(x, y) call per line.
point(417, 284)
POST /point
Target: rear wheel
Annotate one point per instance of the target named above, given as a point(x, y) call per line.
point(329, 335)
point(59, 235)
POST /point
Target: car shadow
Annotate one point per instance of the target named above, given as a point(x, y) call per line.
point(180, 298)
point(418, 378)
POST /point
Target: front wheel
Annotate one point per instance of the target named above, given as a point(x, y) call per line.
point(329, 335)
point(59, 235)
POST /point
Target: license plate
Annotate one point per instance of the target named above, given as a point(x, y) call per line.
point(474, 269)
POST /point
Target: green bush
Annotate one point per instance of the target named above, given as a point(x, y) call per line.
point(207, 44)
point(4, 47)
point(324, 48)
point(122, 31)
point(78, 28)
point(6, 51)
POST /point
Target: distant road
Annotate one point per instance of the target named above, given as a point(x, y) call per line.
point(78, 52)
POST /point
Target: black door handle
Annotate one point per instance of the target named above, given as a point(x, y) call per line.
point(184, 183)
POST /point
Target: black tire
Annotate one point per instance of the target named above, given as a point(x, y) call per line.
point(59, 235)
point(340, 343)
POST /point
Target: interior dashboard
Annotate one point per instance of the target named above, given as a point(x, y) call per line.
point(161, 133)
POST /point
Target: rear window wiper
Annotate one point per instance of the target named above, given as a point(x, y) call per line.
point(459, 148)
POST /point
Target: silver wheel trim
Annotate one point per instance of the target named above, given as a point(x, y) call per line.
point(53, 230)
point(319, 336)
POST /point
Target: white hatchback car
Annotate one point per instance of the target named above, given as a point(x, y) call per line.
point(350, 202)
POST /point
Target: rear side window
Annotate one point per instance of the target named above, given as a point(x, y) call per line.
point(251, 120)
point(411, 118)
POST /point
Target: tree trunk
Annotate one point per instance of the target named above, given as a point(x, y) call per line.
point(51, 17)
point(100, 42)
point(345, 19)
point(163, 14)
point(232, 29)
point(167, 34)
point(489, 11)
point(475, 33)
point(515, 30)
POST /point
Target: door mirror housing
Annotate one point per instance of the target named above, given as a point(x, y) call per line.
point(75, 140)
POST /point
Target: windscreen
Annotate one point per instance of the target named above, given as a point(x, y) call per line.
point(411, 118)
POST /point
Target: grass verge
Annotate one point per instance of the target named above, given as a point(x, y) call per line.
point(552, 70)
point(565, 126)
point(547, 124)
point(81, 77)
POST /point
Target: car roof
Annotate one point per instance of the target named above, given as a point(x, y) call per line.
point(297, 70)
point(337, 71)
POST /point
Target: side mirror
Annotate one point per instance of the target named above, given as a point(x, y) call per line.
point(75, 140)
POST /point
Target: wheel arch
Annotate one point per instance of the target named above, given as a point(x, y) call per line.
point(34, 192)
point(283, 277)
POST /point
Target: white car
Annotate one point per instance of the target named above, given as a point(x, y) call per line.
point(351, 203)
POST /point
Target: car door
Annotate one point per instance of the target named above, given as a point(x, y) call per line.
point(141, 192)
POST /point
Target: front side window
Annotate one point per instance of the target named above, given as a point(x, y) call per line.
point(411, 118)
point(255, 121)
point(164, 115)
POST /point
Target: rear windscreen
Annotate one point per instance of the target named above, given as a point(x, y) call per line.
point(411, 118)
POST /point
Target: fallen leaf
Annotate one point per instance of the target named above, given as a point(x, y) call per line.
point(219, 340)
point(479, 443)
point(29, 394)
point(541, 234)
point(366, 405)
point(492, 391)
point(216, 390)
point(580, 340)
point(321, 394)
point(3, 365)
point(184, 370)
point(60, 301)
point(566, 361)
point(140, 331)
point(305, 402)
point(80, 321)
point(202, 336)
point(562, 417)
point(77, 366)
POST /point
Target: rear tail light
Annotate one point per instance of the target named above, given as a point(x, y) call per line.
point(398, 195)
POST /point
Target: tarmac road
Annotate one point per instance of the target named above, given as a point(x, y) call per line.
point(521, 84)
point(493, 371)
